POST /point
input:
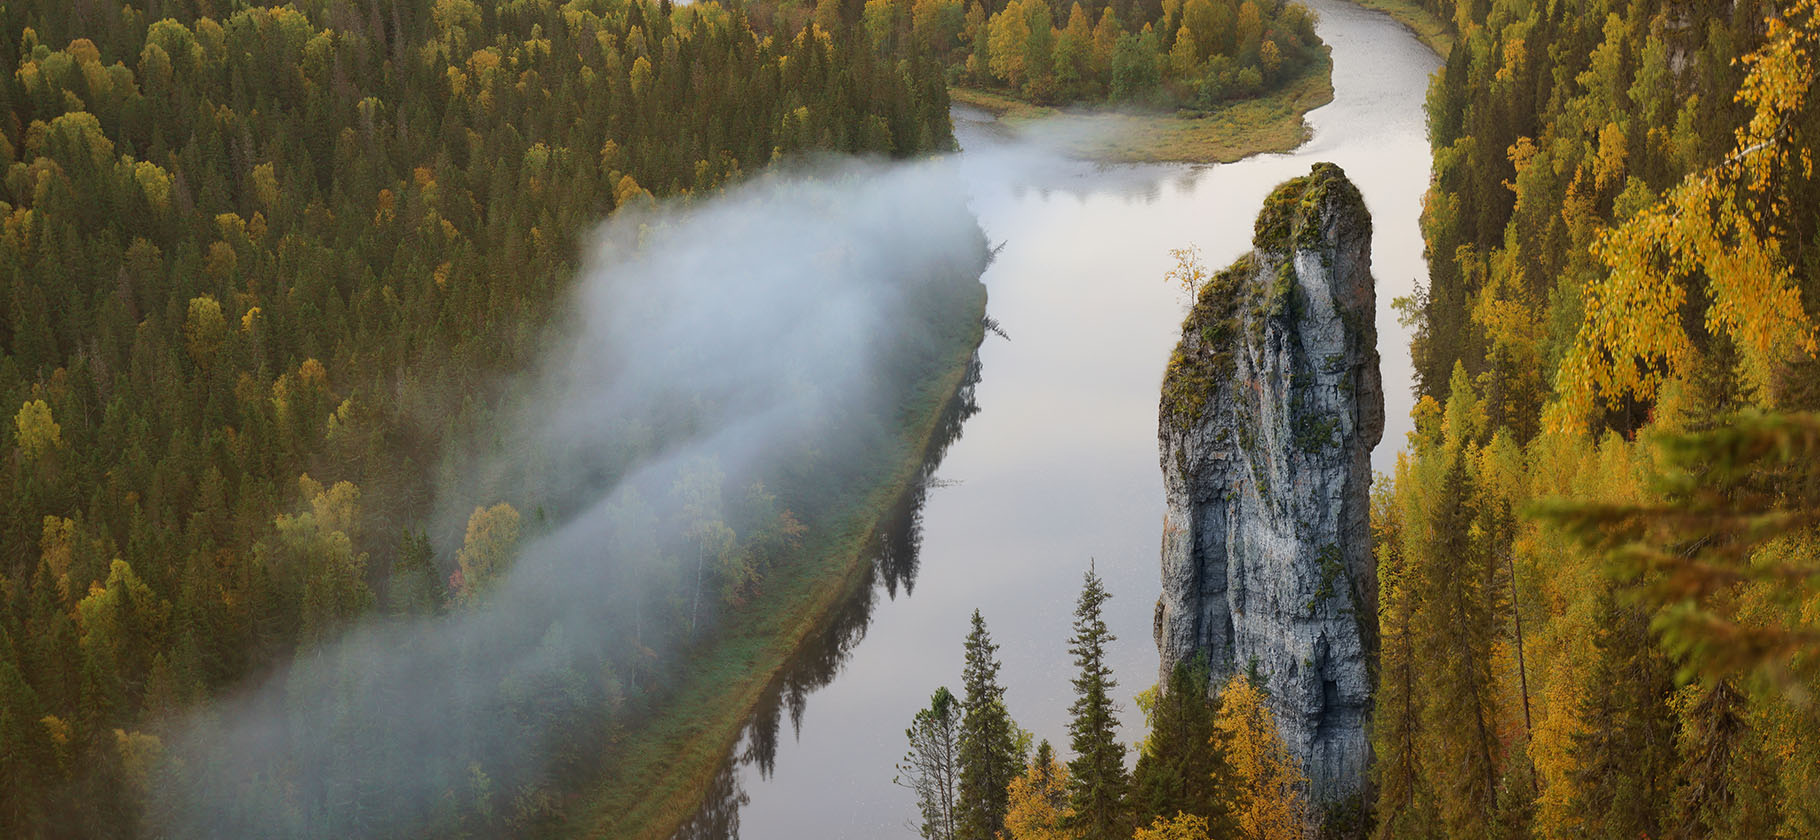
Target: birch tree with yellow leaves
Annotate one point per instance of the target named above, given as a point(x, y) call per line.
point(1719, 232)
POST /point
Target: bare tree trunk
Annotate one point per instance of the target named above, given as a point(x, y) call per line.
point(1516, 612)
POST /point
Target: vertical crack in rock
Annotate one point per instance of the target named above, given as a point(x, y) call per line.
point(1271, 405)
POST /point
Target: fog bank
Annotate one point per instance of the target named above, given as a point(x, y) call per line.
point(762, 338)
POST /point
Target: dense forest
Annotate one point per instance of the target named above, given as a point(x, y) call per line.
point(1151, 53)
point(262, 269)
point(1596, 557)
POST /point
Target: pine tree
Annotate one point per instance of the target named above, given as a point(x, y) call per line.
point(989, 754)
point(1096, 790)
point(931, 769)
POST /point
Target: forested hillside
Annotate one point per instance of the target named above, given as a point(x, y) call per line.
point(1599, 593)
point(1197, 53)
point(259, 269)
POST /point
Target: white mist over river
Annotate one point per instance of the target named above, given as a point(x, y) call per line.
point(1060, 463)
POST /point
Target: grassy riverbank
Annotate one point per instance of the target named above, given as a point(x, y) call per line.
point(1429, 29)
point(665, 763)
point(1270, 123)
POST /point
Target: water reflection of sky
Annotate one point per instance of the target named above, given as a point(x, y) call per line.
point(1060, 464)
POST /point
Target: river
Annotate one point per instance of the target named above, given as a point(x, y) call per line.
point(1058, 466)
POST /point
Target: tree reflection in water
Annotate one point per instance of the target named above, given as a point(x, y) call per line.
point(718, 818)
point(892, 562)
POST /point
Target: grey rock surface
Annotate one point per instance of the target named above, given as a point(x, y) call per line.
point(1271, 406)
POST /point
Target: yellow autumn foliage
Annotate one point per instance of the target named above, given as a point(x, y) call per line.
point(38, 431)
point(1722, 223)
point(1269, 803)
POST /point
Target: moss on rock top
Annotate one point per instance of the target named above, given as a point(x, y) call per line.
point(1258, 285)
point(1298, 210)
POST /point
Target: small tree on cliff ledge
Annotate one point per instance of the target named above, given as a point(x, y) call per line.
point(1096, 792)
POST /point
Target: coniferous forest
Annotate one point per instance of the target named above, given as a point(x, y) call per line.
point(272, 273)
point(261, 264)
point(1146, 53)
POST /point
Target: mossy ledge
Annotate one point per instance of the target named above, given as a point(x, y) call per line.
point(1298, 210)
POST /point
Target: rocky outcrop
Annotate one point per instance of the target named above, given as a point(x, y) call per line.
point(1271, 406)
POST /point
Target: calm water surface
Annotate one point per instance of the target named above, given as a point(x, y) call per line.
point(1059, 463)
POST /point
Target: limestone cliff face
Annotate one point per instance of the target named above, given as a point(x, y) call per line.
point(1270, 409)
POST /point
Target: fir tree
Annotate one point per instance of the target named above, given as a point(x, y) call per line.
point(1097, 789)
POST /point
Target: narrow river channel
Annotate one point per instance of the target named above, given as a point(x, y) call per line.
point(1058, 466)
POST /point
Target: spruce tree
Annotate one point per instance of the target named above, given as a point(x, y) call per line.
point(1625, 756)
point(24, 751)
point(1456, 625)
point(414, 588)
point(1097, 788)
point(1721, 789)
point(989, 753)
point(1404, 808)
point(1181, 766)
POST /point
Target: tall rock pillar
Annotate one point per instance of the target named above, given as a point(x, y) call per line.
point(1271, 405)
